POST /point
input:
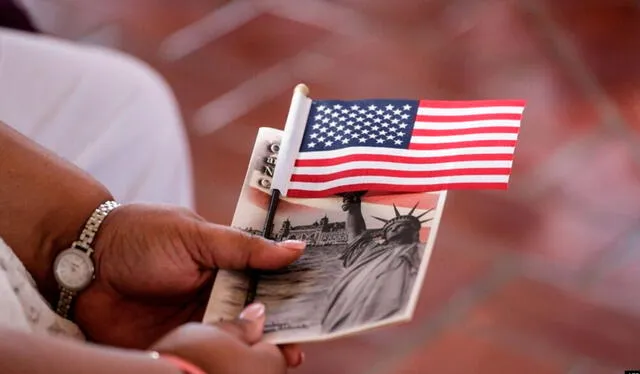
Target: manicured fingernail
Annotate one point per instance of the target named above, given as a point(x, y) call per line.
point(293, 244)
point(253, 312)
point(301, 358)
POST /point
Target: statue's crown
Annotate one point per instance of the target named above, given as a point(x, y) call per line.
point(407, 219)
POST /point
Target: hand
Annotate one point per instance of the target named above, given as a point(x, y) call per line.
point(350, 199)
point(154, 271)
point(228, 347)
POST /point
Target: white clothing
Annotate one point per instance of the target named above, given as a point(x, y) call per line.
point(107, 113)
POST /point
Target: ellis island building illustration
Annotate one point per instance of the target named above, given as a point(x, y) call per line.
point(320, 233)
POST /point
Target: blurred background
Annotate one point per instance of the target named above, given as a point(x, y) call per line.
point(543, 278)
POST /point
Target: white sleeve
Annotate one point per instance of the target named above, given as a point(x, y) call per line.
point(21, 305)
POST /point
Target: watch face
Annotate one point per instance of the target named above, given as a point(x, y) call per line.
point(73, 269)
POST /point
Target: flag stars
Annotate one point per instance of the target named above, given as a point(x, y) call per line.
point(337, 125)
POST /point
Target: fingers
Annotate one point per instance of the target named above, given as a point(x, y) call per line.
point(231, 347)
point(228, 248)
point(249, 325)
point(292, 354)
point(272, 360)
point(249, 329)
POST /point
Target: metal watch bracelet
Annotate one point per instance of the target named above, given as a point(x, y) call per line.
point(84, 243)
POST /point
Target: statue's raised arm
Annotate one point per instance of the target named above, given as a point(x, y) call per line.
point(355, 224)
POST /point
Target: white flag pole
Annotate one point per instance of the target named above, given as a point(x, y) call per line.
point(292, 139)
point(289, 148)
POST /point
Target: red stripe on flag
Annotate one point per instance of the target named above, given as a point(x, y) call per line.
point(401, 159)
point(391, 188)
point(310, 178)
point(479, 130)
point(471, 103)
point(467, 144)
point(469, 117)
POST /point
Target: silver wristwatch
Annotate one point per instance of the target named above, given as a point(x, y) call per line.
point(73, 267)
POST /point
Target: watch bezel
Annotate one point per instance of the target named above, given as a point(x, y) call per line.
point(87, 260)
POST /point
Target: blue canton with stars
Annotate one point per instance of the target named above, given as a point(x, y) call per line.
point(379, 123)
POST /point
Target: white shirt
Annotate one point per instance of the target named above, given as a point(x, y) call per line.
point(21, 305)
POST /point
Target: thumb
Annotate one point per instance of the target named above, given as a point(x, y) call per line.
point(248, 327)
point(228, 248)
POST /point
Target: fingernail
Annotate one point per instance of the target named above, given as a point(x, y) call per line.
point(253, 312)
point(301, 359)
point(293, 244)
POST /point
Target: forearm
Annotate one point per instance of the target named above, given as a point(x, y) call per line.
point(45, 202)
point(29, 353)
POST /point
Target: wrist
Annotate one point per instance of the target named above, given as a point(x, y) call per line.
point(61, 227)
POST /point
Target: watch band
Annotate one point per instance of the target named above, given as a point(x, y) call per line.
point(93, 225)
point(64, 302)
point(84, 243)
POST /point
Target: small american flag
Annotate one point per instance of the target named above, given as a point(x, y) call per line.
point(406, 146)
